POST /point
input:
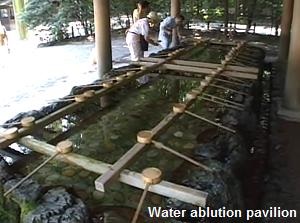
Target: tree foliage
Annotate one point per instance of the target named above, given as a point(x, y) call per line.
point(57, 14)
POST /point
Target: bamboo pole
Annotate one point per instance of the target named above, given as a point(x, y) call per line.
point(224, 100)
point(63, 147)
point(200, 76)
point(151, 176)
point(221, 103)
point(253, 70)
point(160, 145)
point(232, 82)
point(201, 70)
point(145, 137)
point(140, 205)
point(228, 89)
point(210, 122)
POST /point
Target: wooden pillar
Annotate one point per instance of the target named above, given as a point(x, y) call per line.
point(291, 101)
point(286, 22)
point(18, 6)
point(102, 36)
point(175, 10)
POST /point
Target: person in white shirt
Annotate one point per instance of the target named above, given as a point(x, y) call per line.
point(138, 33)
point(165, 30)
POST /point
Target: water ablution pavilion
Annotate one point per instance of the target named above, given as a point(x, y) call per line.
point(214, 120)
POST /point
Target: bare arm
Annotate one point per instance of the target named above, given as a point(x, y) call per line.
point(178, 33)
point(151, 41)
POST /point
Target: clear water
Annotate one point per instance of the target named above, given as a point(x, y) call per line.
point(109, 136)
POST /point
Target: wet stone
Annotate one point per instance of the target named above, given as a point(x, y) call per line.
point(58, 206)
point(4, 174)
point(177, 145)
point(191, 136)
point(238, 98)
point(81, 193)
point(178, 134)
point(152, 153)
point(29, 191)
point(208, 150)
point(69, 173)
point(84, 174)
point(155, 199)
point(53, 178)
point(114, 137)
point(189, 146)
point(97, 195)
point(136, 197)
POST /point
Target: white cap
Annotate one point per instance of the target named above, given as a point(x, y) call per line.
point(154, 18)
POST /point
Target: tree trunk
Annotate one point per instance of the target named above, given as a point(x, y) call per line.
point(226, 16)
point(236, 13)
point(251, 10)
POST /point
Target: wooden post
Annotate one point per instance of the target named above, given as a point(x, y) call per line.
point(291, 100)
point(286, 23)
point(175, 10)
point(102, 36)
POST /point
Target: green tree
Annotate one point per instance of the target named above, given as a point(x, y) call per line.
point(119, 8)
point(57, 14)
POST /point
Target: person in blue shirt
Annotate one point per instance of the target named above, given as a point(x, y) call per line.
point(165, 30)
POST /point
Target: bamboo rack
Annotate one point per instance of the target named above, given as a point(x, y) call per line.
point(201, 70)
point(131, 178)
point(118, 170)
point(132, 154)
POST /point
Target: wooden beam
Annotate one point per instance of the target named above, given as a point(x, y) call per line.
point(253, 70)
point(200, 70)
point(131, 155)
point(132, 178)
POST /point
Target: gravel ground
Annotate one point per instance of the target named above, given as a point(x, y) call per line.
point(31, 77)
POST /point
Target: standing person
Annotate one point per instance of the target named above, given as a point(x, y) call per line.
point(166, 28)
point(138, 33)
point(142, 10)
point(4, 49)
point(3, 35)
point(136, 37)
